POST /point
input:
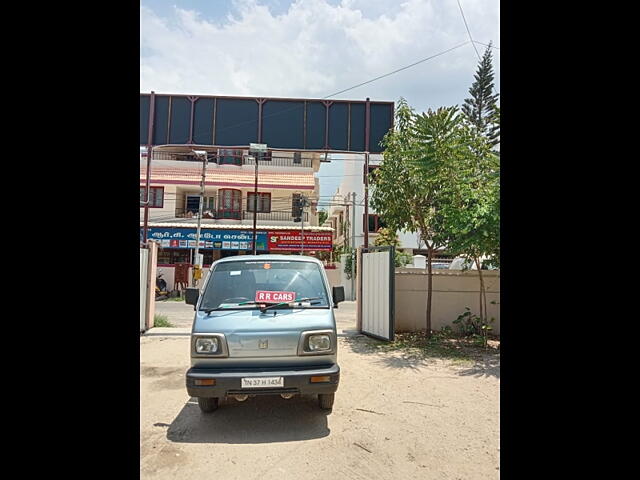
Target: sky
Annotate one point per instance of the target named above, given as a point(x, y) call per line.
point(314, 48)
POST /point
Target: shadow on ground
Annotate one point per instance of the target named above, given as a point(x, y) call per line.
point(262, 419)
point(474, 362)
point(489, 366)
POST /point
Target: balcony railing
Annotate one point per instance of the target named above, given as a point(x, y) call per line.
point(280, 162)
point(284, 216)
point(275, 161)
point(274, 215)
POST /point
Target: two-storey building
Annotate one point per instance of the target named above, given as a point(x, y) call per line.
point(227, 220)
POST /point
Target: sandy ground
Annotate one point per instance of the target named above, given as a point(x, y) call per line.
point(393, 417)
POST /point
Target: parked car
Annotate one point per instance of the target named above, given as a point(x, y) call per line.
point(440, 265)
point(461, 263)
point(264, 325)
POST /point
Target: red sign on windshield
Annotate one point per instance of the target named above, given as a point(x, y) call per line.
point(267, 296)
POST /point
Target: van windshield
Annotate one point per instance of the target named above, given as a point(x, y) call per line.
point(271, 282)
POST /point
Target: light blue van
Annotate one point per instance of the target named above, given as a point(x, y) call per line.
point(264, 325)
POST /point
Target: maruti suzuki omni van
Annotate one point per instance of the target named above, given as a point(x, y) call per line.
point(264, 325)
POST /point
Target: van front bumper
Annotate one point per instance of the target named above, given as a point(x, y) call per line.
point(229, 381)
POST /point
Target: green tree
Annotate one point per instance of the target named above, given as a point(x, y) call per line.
point(481, 108)
point(471, 215)
point(322, 217)
point(473, 211)
point(410, 187)
point(387, 237)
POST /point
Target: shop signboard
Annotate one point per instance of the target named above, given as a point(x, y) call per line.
point(288, 240)
point(209, 239)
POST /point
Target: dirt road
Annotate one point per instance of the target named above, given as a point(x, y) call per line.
point(393, 417)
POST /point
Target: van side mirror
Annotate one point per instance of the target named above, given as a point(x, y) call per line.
point(191, 296)
point(338, 295)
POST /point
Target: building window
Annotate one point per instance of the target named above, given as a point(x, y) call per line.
point(164, 257)
point(156, 197)
point(264, 202)
point(181, 256)
point(229, 203)
point(168, 256)
point(229, 157)
point(375, 223)
point(192, 204)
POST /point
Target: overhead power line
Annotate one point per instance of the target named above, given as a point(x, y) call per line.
point(486, 45)
point(249, 122)
point(468, 31)
point(398, 70)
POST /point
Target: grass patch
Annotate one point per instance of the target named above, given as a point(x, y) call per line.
point(161, 321)
point(441, 345)
point(175, 299)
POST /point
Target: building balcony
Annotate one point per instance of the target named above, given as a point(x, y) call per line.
point(272, 159)
point(272, 216)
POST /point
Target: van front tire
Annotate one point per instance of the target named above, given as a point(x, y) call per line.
point(208, 405)
point(326, 400)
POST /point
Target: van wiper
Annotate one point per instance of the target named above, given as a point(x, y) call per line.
point(288, 303)
point(227, 306)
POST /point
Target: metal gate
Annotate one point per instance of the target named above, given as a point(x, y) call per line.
point(378, 292)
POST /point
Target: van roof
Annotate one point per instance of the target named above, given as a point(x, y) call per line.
point(266, 258)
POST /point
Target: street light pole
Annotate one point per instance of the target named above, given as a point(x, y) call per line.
point(257, 150)
point(255, 207)
point(302, 204)
point(203, 155)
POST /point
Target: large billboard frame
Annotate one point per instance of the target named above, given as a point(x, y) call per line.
point(313, 125)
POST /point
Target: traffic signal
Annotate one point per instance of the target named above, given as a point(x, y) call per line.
point(296, 207)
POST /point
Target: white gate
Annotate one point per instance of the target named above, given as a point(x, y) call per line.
point(144, 290)
point(378, 292)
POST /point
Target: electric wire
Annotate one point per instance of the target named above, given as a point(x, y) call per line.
point(249, 122)
point(468, 31)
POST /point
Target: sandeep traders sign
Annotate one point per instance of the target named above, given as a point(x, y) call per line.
point(291, 240)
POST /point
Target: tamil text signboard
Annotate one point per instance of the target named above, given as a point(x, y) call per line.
point(209, 239)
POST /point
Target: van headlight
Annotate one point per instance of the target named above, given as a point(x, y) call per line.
point(318, 343)
point(207, 345)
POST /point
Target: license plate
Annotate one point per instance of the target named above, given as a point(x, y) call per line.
point(262, 382)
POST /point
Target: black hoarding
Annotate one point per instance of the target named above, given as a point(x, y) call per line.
point(286, 123)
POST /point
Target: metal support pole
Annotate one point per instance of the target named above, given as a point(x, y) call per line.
point(367, 133)
point(255, 206)
point(152, 105)
point(366, 200)
point(204, 172)
point(148, 195)
point(302, 204)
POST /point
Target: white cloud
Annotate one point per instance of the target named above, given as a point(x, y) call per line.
point(319, 47)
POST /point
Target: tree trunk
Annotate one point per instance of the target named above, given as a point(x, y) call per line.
point(429, 289)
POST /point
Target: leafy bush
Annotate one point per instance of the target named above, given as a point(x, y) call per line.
point(471, 325)
point(350, 264)
point(161, 321)
point(402, 258)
